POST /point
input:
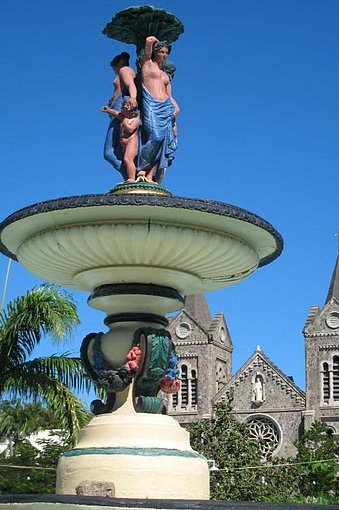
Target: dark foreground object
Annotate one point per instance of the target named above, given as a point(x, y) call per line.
point(51, 501)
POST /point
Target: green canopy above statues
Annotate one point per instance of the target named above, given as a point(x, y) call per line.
point(135, 24)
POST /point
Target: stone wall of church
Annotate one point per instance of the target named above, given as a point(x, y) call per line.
point(211, 360)
point(278, 393)
point(322, 360)
point(267, 397)
point(207, 360)
point(322, 350)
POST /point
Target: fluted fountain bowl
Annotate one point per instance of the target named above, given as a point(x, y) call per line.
point(88, 241)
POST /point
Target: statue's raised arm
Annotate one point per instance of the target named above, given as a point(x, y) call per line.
point(148, 50)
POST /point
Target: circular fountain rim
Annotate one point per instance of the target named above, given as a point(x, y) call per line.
point(151, 200)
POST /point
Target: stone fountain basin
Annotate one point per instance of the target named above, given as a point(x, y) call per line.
point(87, 241)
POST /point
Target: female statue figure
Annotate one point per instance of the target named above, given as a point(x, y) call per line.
point(158, 139)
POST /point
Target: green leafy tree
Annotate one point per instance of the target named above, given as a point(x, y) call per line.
point(241, 473)
point(244, 475)
point(30, 468)
point(17, 421)
point(30, 471)
point(319, 453)
point(43, 311)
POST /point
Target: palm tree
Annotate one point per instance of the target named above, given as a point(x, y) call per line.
point(18, 421)
point(46, 310)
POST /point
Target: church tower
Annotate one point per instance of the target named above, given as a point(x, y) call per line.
point(321, 334)
point(204, 347)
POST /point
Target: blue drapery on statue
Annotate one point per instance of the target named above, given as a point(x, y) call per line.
point(157, 142)
point(112, 147)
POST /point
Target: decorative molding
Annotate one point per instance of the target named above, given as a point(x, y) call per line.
point(193, 342)
point(183, 356)
point(149, 199)
point(68, 254)
point(135, 317)
point(148, 289)
point(137, 452)
point(275, 377)
point(333, 347)
point(140, 187)
point(270, 410)
point(317, 335)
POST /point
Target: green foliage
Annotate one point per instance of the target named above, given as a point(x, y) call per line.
point(243, 475)
point(226, 441)
point(29, 471)
point(318, 479)
point(46, 310)
point(17, 421)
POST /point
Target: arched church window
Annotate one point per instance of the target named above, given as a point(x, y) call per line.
point(330, 431)
point(326, 382)
point(186, 399)
point(220, 374)
point(335, 377)
point(194, 387)
point(174, 400)
point(184, 385)
point(266, 431)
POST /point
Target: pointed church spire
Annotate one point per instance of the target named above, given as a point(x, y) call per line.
point(197, 307)
point(333, 290)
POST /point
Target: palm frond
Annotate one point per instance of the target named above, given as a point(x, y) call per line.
point(47, 310)
point(65, 405)
point(68, 371)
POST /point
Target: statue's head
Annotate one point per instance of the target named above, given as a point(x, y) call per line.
point(161, 50)
point(169, 68)
point(122, 58)
point(126, 108)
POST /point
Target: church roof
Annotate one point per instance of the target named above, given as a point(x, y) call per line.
point(259, 358)
point(333, 291)
point(197, 307)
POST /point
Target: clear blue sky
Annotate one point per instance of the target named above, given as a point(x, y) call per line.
point(258, 86)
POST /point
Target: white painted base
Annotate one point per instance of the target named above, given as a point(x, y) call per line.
point(144, 455)
point(135, 476)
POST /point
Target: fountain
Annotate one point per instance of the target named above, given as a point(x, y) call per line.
point(137, 250)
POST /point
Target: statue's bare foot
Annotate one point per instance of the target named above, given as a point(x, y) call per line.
point(141, 177)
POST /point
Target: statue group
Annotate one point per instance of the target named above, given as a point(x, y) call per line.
point(142, 133)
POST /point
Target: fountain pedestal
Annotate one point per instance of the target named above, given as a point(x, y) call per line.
point(138, 255)
point(144, 455)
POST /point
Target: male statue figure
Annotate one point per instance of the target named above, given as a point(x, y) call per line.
point(121, 144)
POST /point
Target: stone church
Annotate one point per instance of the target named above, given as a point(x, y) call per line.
point(275, 408)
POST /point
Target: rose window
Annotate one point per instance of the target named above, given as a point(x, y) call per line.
point(265, 431)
